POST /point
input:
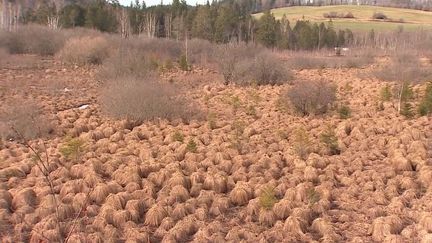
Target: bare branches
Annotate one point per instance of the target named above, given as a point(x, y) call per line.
point(43, 165)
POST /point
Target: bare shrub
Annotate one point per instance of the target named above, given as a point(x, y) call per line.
point(85, 50)
point(333, 15)
point(136, 57)
point(330, 15)
point(156, 49)
point(404, 67)
point(229, 59)
point(244, 68)
point(32, 39)
point(141, 100)
point(321, 60)
point(311, 96)
point(268, 69)
point(201, 52)
point(349, 15)
point(126, 62)
point(24, 117)
point(379, 15)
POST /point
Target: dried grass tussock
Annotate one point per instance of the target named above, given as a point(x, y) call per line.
point(127, 150)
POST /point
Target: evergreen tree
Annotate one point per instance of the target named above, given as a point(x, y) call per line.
point(304, 35)
point(202, 27)
point(40, 16)
point(101, 16)
point(267, 30)
point(341, 38)
point(137, 17)
point(72, 16)
point(330, 37)
point(283, 37)
point(225, 25)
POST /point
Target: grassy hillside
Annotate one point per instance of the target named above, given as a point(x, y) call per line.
point(412, 19)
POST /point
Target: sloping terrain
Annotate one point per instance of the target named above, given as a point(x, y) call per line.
point(408, 18)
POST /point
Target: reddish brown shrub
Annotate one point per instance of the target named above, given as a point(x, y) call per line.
point(311, 96)
point(24, 117)
point(243, 66)
point(85, 50)
point(145, 99)
point(32, 39)
point(379, 15)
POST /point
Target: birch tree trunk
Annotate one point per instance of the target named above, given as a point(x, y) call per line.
point(150, 24)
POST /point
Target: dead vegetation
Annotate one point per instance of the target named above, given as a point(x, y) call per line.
point(262, 69)
point(32, 39)
point(311, 96)
point(404, 67)
point(323, 59)
point(85, 50)
point(4, 57)
point(142, 100)
point(251, 172)
point(26, 117)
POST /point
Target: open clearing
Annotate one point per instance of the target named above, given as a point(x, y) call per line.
point(412, 19)
point(147, 185)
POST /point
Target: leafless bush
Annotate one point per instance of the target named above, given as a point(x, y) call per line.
point(25, 117)
point(243, 66)
point(156, 49)
point(322, 60)
point(268, 69)
point(330, 15)
point(379, 15)
point(32, 39)
point(137, 57)
point(333, 15)
point(85, 50)
point(311, 96)
point(229, 58)
point(349, 15)
point(404, 67)
point(126, 62)
point(139, 100)
point(201, 52)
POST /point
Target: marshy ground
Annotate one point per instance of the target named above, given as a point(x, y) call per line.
point(234, 176)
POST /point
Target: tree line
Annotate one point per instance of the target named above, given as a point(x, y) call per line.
point(219, 22)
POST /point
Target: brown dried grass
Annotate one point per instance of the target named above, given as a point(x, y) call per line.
point(426, 222)
point(180, 193)
point(85, 50)
point(4, 57)
point(24, 197)
point(385, 226)
point(241, 194)
point(32, 39)
point(155, 215)
point(310, 96)
point(142, 100)
point(25, 117)
point(99, 193)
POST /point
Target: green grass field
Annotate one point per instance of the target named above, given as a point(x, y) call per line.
point(412, 19)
